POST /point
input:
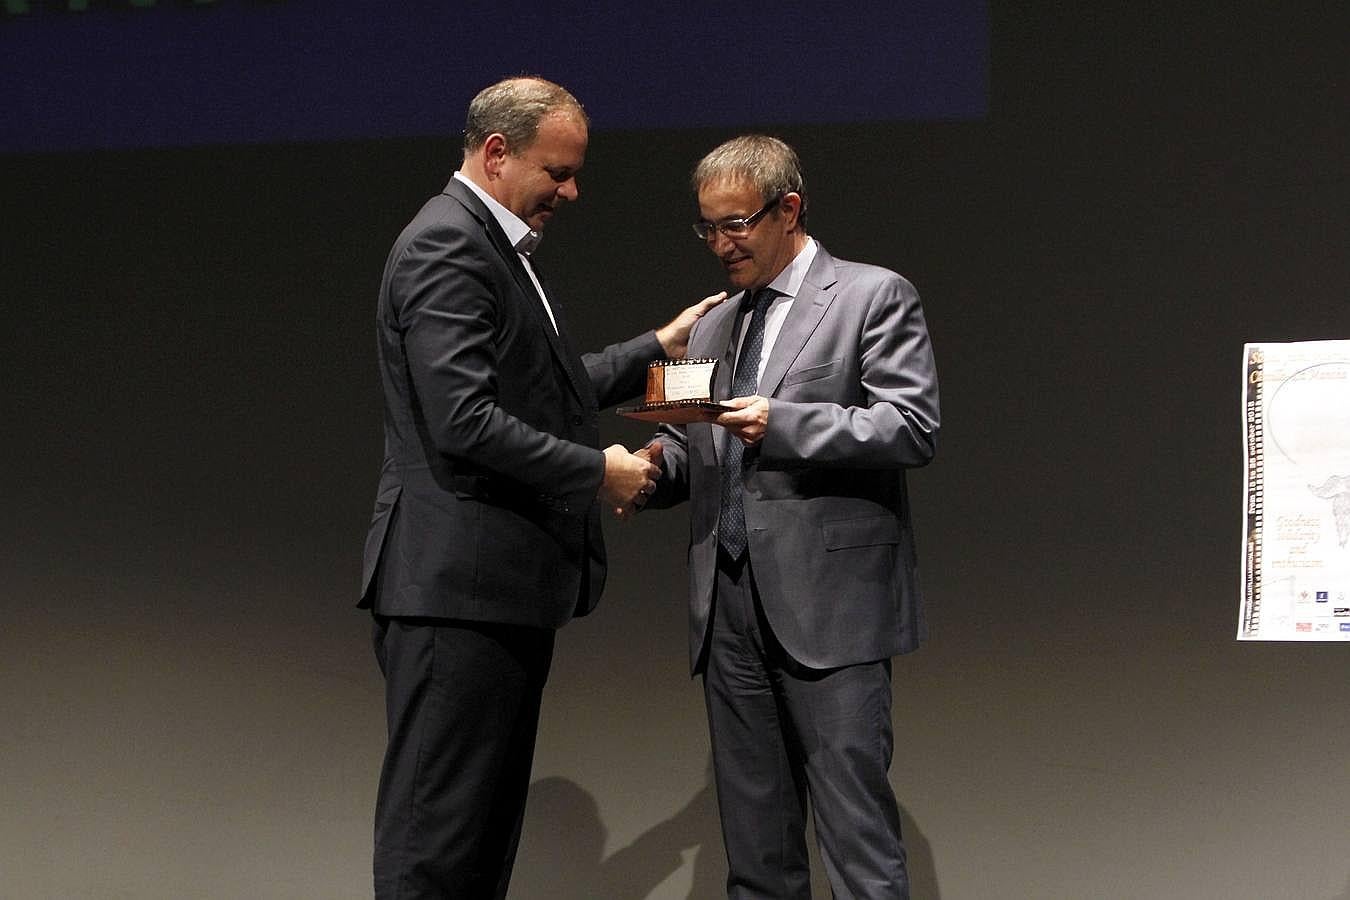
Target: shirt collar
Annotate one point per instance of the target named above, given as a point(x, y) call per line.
point(789, 281)
point(522, 237)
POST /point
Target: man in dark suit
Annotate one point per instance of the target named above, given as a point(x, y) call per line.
point(486, 534)
point(801, 559)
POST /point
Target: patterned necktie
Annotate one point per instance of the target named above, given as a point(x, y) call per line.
point(731, 530)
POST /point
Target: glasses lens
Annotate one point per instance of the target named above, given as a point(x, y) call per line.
point(735, 227)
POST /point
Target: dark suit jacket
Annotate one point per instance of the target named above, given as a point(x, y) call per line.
point(853, 402)
point(486, 508)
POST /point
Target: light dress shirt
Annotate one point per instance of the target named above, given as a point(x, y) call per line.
point(787, 284)
point(523, 238)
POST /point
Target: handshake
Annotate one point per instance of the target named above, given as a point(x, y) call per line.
point(630, 478)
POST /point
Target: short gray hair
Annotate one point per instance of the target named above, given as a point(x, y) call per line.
point(769, 165)
point(513, 108)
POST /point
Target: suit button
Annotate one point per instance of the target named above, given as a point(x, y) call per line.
point(576, 420)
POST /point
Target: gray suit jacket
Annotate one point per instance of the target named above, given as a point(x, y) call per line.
point(853, 402)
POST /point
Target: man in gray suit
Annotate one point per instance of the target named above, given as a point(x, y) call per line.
point(801, 559)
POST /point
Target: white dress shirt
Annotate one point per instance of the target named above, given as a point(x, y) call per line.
point(787, 284)
point(522, 238)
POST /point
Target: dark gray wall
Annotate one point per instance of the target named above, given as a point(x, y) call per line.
point(189, 705)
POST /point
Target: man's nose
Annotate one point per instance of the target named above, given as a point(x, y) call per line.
point(569, 190)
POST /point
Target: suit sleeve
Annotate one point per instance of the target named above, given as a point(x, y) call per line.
point(449, 315)
point(620, 370)
point(893, 421)
point(672, 487)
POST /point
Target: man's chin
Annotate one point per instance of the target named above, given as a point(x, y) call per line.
point(738, 273)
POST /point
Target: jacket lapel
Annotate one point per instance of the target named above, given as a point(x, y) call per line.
point(808, 308)
point(557, 340)
point(563, 350)
point(723, 325)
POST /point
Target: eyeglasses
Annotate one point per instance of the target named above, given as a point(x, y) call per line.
point(734, 228)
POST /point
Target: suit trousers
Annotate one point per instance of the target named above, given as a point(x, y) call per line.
point(783, 733)
point(462, 702)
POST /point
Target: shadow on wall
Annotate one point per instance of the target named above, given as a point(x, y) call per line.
point(564, 841)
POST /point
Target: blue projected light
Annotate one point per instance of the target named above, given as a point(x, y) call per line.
point(141, 73)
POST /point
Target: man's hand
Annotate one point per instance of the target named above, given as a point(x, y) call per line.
point(629, 479)
point(674, 335)
point(652, 453)
point(749, 421)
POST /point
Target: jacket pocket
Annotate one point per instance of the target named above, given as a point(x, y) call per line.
point(811, 373)
point(869, 532)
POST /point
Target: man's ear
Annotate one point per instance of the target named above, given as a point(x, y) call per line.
point(494, 152)
point(791, 205)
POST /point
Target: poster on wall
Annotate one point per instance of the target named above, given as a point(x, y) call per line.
point(1296, 486)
